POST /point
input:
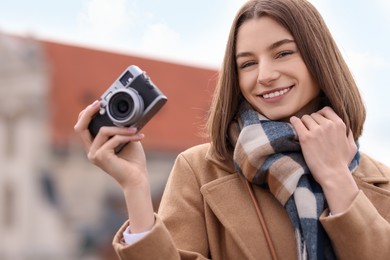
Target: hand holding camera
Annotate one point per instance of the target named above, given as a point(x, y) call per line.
point(131, 101)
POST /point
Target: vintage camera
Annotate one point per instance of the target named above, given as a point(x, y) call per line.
point(132, 100)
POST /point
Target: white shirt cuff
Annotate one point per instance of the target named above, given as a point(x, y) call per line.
point(133, 238)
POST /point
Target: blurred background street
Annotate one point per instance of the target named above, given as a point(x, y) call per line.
point(55, 204)
point(58, 57)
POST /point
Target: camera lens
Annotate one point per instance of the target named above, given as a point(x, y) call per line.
point(121, 106)
point(125, 107)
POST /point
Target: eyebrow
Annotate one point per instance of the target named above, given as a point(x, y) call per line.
point(271, 47)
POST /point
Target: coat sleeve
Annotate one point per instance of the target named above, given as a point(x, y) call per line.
point(179, 231)
point(361, 232)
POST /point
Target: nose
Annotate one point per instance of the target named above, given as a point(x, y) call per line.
point(267, 73)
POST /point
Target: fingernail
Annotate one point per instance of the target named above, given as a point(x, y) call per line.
point(95, 104)
point(132, 129)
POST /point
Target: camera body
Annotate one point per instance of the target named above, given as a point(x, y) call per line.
point(132, 100)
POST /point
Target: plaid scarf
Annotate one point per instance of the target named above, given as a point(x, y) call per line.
point(268, 154)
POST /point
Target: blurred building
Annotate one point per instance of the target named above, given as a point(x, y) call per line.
point(53, 203)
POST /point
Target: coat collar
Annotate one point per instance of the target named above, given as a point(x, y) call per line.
point(231, 203)
point(226, 165)
point(371, 171)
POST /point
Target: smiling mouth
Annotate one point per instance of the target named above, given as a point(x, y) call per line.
point(277, 93)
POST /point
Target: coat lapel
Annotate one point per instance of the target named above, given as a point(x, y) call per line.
point(234, 210)
point(231, 203)
point(372, 179)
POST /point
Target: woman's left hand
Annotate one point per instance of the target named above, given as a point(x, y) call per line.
point(328, 151)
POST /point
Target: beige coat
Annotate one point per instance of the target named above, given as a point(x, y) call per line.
point(206, 212)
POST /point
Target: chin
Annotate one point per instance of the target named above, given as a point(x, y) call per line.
point(282, 117)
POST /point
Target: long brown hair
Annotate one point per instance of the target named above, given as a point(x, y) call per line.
point(319, 52)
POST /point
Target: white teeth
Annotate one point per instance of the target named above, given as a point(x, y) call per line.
point(276, 93)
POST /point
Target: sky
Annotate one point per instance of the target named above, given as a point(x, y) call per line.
point(195, 33)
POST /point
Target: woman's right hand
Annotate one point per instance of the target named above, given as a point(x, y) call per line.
point(128, 167)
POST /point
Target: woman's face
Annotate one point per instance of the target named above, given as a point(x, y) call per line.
point(272, 75)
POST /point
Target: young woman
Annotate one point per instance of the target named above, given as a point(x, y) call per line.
point(282, 176)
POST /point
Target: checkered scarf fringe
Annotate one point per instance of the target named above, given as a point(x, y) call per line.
point(267, 154)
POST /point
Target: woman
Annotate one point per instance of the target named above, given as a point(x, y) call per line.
point(282, 177)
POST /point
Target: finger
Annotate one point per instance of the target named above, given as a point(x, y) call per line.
point(337, 122)
point(82, 112)
point(298, 125)
point(309, 122)
point(319, 119)
point(121, 139)
point(81, 126)
point(107, 132)
point(110, 146)
point(329, 113)
point(86, 115)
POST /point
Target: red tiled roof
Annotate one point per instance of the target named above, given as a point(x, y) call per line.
point(80, 75)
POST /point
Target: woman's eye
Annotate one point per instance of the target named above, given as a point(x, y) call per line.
point(283, 54)
point(247, 64)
